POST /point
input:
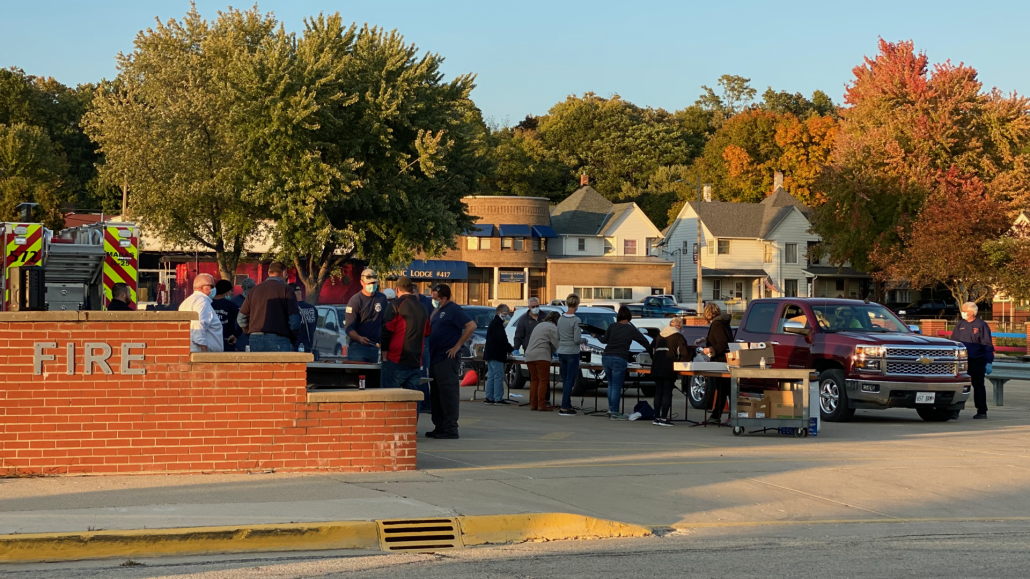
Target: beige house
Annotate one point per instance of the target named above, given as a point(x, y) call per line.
point(752, 250)
point(604, 250)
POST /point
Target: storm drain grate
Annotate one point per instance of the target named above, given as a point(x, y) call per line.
point(419, 535)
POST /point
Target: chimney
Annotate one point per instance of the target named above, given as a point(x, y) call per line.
point(708, 193)
point(777, 181)
point(584, 180)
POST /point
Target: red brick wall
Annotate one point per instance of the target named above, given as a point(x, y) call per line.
point(179, 416)
point(931, 327)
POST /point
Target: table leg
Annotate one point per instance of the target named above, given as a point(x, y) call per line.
point(999, 390)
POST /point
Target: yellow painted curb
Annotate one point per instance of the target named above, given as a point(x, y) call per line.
point(188, 541)
point(476, 530)
point(499, 529)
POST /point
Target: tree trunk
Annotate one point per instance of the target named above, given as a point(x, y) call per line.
point(227, 264)
point(314, 271)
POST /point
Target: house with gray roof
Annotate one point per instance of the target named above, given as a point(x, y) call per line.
point(752, 250)
point(604, 250)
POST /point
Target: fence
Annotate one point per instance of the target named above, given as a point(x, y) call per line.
point(940, 328)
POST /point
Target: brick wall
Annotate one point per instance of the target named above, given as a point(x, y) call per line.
point(187, 413)
point(931, 327)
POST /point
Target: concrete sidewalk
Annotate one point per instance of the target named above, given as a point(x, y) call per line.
point(884, 466)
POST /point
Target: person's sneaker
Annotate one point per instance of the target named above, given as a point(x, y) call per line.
point(431, 434)
point(489, 402)
point(501, 402)
point(566, 412)
point(618, 416)
point(981, 416)
point(446, 436)
point(657, 422)
point(666, 422)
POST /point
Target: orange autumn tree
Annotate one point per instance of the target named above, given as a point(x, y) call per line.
point(906, 128)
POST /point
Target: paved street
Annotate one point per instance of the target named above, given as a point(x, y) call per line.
point(944, 491)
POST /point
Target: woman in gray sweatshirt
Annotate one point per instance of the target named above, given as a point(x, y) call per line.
point(570, 337)
point(542, 344)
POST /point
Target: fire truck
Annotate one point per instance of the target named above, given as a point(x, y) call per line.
point(79, 266)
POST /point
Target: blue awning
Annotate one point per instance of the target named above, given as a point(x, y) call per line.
point(514, 230)
point(436, 269)
point(481, 230)
point(543, 231)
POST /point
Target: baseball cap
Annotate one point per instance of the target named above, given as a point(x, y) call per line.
point(222, 286)
point(368, 273)
point(403, 281)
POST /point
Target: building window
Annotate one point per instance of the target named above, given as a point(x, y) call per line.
point(602, 293)
point(809, 251)
point(768, 253)
point(738, 290)
point(473, 243)
point(790, 253)
point(584, 293)
point(609, 245)
point(649, 245)
point(536, 244)
point(238, 279)
point(840, 285)
point(629, 247)
point(622, 293)
point(693, 285)
point(484, 243)
point(519, 245)
point(716, 289)
point(724, 247)
point(582, 245)
point(506, 243)
point(790, 286)
point(686, 248)
point(711, 247)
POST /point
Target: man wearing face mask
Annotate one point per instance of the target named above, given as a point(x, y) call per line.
point(975, 335)
point(206, 331)
point(364, 319)
point(496, 355)
point(527, 324)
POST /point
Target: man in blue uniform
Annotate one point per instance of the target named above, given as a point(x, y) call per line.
point(227, 312)
point(308, 320)
point(364, 319)
point(426, 406)
point(450, 328)
point(975, 335)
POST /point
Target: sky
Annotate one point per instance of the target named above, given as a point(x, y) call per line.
point(529, 55)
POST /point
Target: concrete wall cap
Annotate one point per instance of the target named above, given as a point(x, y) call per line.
point(39, 316)
point(367, 395)
point(252, 357)
point(144, 316)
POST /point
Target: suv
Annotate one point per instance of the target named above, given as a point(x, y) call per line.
point(865, 355)
point(592, 320)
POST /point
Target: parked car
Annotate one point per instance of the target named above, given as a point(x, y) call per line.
point(930, 309)
point(866, 357)
point(659, 307)
point(482, 316)
point(593, 319)
point(330, 339)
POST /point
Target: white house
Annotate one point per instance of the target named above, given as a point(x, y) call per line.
point(604, 250)
point(753, 250)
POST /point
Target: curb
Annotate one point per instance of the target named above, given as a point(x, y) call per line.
point(475, 530)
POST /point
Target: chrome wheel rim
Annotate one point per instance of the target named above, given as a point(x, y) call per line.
point(829, 396)
point(510, 375)
point(697, 388)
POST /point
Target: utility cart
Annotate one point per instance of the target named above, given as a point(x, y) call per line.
point(800, 426)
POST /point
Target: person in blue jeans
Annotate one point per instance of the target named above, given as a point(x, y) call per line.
point(617, 339)
point(496, 355)
point(570, 338)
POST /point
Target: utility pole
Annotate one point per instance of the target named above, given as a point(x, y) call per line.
point(700, 310)
point(125, 198)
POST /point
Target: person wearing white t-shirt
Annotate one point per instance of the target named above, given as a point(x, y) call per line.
point(206, 331)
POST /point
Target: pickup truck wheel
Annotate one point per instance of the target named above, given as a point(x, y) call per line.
point(833, 397)
point(935, 414)
point(514, 377)
point(697, 390)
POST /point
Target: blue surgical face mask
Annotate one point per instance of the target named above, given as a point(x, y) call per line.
point(371, 287)
point(505, 318)
point(436, 303)
point(211, 292)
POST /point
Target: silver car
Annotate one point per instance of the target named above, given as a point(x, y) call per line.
point(330, 338)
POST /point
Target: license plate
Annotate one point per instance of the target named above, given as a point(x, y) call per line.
point(925, 397)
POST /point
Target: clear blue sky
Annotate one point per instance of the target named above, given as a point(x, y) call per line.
point(529, 54)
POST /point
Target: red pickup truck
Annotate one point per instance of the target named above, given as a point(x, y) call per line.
point(865, 355)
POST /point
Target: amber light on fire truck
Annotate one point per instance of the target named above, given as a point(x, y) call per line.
point(869, 358)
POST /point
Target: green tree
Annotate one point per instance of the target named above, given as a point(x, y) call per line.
point(191, 121)
point(737, 94)
point(393, 149)
point(796, 104)
point(31, 170)
point(522, 165)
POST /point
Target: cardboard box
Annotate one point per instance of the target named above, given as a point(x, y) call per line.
point(782, 404)
point(750, 358)
point(745, 408)
point(761, 408)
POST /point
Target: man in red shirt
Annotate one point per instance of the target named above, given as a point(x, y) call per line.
point(405, 327)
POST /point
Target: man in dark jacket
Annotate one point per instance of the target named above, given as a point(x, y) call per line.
point(121, 295)
point(527, 323)
point(308, 320)
point(405, 327)
point(975, 335)
point(496, 355)
point(227, 313)
point(270, 315)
